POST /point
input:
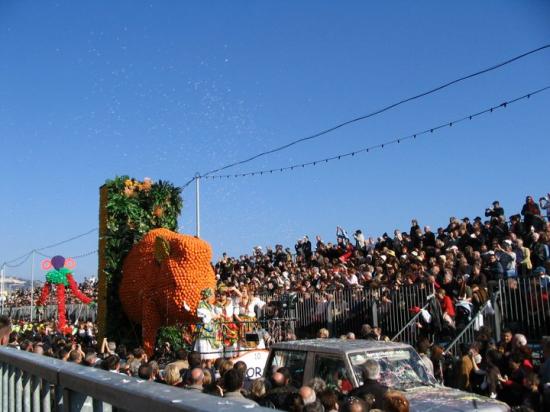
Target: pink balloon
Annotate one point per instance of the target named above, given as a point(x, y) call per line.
point(70, 263)
point(46, 264)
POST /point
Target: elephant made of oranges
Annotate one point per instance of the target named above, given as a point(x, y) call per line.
point(162, 279)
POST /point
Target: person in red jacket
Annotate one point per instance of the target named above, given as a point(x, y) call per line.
point(447, 307)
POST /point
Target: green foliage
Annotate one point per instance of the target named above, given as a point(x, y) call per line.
point(133, 209)
point(172, 335)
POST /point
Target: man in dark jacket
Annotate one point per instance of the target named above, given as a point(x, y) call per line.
point(494, 211)
point(371, 386)
point(281, 390)
point(493, 270)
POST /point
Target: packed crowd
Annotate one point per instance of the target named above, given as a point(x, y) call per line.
point(189, 371)
point(462, 263)
point(23, 296)
point(504, 370)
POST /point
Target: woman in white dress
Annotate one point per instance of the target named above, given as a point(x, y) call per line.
point(207, 343)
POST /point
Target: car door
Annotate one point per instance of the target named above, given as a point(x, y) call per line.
point(294, 360)
point(332, 369)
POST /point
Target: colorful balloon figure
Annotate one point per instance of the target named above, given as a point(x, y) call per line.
point(60, 276)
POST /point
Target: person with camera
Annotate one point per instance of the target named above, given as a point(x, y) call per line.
point(495, 211)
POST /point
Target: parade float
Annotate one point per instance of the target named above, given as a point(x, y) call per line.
point(162, 279)
point(128, 210)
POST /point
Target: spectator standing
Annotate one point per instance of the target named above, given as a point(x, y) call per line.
point(531, 213)
point(371, 386)
point(232, 385)
point(495, 211)
point(544, 203)
point(197, 380)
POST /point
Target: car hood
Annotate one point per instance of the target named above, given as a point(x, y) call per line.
point(440, 398)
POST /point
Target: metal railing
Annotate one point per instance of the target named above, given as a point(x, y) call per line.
point(347, 310)
point(410, 332)
point(526, 305)
point(75, 311)
point(488, 314)
point(339, 311)
point(30, 382)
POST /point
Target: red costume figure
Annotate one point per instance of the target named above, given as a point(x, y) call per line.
point(60, 276)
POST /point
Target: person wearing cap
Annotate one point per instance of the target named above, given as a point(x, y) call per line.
point(495, 210)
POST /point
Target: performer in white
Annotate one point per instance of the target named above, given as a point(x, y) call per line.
point(247, 313)
point(207, 343)
point(228, 308)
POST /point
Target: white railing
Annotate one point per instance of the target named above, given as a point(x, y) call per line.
point(30, 382)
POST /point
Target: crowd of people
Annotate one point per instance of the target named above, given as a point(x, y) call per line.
point(505, 370)
point(23, 296)
point(462, 263)
point(189, 371)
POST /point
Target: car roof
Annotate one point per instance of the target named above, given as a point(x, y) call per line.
point(338, 345)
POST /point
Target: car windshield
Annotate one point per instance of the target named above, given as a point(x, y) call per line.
point(399, 368)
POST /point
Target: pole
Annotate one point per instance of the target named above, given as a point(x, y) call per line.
point(197, 205)
point(32, 284)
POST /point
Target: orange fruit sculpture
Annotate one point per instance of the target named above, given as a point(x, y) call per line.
point(162, 279)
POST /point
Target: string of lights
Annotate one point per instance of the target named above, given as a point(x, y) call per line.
point(380, 145)
point(68, 240)
point(372, 114)
point(83, 255)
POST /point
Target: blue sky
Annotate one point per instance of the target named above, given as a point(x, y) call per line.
point(90, 90)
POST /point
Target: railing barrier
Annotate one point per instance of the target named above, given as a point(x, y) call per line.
point(31, 382)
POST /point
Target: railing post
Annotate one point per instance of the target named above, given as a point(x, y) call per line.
point(74, 401)
point(35, 393)
point(45, 396)
point(498, 317)
point(5, 386)
point(374, 313)
point(99, 406)
point(11, 391)
point(18, 389)
point(58, 402)
point(329, 315)
point(26, 381)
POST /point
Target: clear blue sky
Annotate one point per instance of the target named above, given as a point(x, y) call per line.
point(89, 90)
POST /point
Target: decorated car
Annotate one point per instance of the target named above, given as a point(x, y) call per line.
point(339, 363)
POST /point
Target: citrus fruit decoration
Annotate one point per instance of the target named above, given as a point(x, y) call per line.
point(60, 275)
point(162, 278)
point(128, 209)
